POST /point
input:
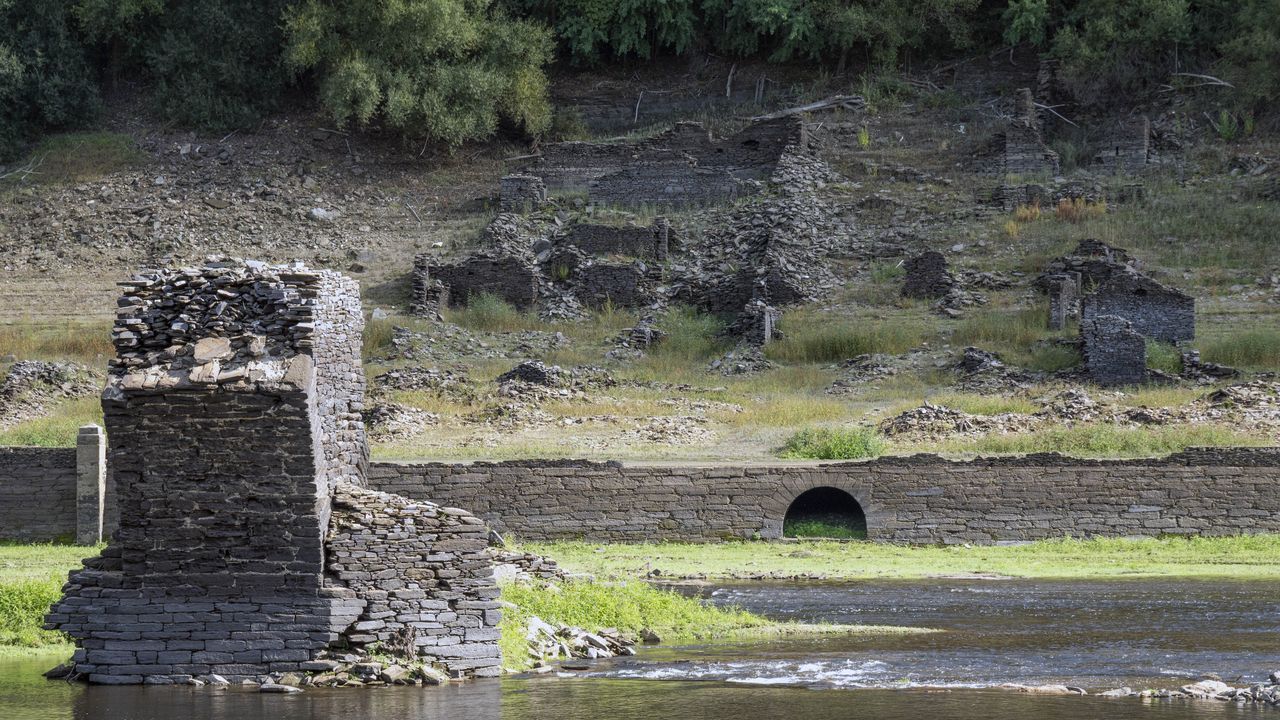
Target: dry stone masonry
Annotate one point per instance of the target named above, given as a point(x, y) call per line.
point(1114, 353)
point(1025, 152)
point(233, 409)
point(918, 499)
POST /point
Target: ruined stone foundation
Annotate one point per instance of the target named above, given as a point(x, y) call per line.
point(247, 544)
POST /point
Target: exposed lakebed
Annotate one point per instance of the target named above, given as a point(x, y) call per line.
point(1093, 634)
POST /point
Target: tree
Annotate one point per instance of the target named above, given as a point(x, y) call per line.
point(207, 63)
point(444, 70)
point(46, 81)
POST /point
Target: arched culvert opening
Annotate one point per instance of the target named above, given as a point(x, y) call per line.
point(825, 512)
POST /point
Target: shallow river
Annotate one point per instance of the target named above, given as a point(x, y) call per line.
point(1098, 635)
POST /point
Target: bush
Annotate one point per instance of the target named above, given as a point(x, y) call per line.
point(443, 70)
point(208, 63)
point(833, 444)
point(46, 81)
point(489, 312)
point(23, 604)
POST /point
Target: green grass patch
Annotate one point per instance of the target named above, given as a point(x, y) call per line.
point(1164, 357)
point(88, 343)
point(1002, 329)
point(835, 528)
point(491, 313)
point(1244, 556)
point(833, 444)
point(807, 341)
point(31, 578)
point(1259, 348)
point(628, 606)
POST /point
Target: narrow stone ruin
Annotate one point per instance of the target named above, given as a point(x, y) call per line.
point(247, 545)
point(927, 276)
point(1127, 147)
point(1114, 353)
point(521, 193)
point(1025, 152)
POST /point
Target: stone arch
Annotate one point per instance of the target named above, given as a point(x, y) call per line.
point(827, 505)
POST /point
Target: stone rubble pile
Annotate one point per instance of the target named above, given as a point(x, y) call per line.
point(391, 420)
point(524, 567)
point(31, 385)
point(549, 642)
point(1262, 694)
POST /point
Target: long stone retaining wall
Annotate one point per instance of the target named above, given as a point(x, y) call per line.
point(917, 499)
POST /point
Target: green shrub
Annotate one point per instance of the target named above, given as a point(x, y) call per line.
point(23, 604)
point(834, 527)
point(805, 341)
point(444, 70)
point(206, 63)
point(1096, 440)
point(833, 444)
point(46, 79)
point(489, 312)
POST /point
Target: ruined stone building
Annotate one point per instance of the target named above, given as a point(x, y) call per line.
point(1126, 147)
point(1096, 279)
point(247, 542)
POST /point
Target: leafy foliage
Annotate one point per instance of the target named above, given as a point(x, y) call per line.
point(833, 444)
point(46, 81)
point(446, 70)
point(209, 63)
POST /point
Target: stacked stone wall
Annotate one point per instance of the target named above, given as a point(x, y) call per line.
point(918, 499)
point(37, 493)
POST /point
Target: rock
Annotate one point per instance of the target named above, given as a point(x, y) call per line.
point(212, 348)
point(278, 688)
point(1205, 688)
point(1274, 678)
point(216, 679)
point(1118, 692)
point(379, 314)
point(432, 675)
point(394, 674)
point(217, 203)
point(649, 637)
point(293, 679)
point(61, 671)
point(319, 665)
point(322, 215)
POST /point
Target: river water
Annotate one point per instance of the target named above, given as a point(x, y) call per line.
point(1097, 635)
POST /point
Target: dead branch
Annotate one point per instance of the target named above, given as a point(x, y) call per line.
point(1208, 79)
point(1050, 108)
point(26, 171)
point(522, 157)
point(728, 83)
point(849, 102)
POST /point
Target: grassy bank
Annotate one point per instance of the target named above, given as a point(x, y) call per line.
point(631, 606)
point(31, 578)
point(1256, 556)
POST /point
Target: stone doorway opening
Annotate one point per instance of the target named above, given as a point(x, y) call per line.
point(825, 512)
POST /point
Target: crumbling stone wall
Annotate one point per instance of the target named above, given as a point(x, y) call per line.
point(683, 166)
point(1152, 308)
point(1025, 152)
point(233, 412)
point(510, 277)
point(1064, 299)
point(426, 574)
point(630, 241)
point(919, 499)
point(927, 276)
point(620, 284)
point(1127, 148)
point(1114, 353)
point(520, 193)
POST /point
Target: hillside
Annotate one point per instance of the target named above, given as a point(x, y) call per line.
point(910, 165)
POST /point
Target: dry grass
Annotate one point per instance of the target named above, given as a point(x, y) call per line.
point(88, 343)
point(1078, 210)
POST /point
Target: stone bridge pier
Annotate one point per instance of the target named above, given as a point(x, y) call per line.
point(247, 542)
